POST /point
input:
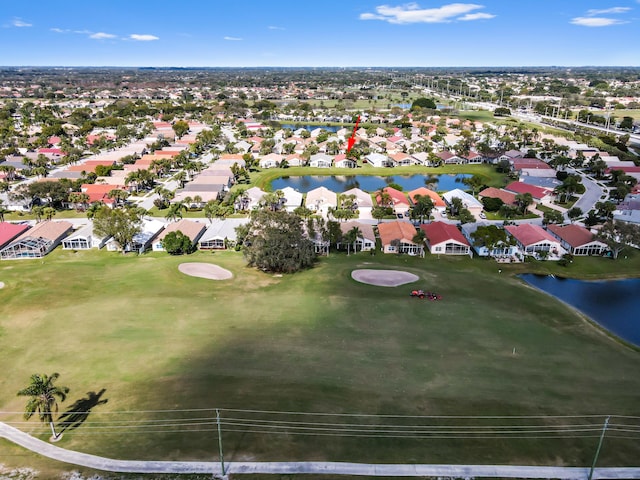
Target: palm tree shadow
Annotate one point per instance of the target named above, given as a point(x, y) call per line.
point(80, 410)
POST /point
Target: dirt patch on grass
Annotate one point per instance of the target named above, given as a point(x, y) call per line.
point(384, 278)
point(205, 270)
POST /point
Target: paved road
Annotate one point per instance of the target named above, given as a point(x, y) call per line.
point(593, 191)
point(332, 468)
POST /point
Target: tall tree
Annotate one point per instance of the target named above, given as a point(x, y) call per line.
point(422, 207)
point(43, 399)
point(180, 128)
point(275, 241)
point(120, 223)
point(618, 235)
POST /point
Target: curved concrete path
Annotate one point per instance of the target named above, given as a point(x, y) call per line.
point(332, 468)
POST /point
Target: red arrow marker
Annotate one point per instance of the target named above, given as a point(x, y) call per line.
point(352, 140)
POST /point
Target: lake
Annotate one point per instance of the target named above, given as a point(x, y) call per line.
point(368, 183)
point(613, 304)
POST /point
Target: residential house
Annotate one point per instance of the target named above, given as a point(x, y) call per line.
point(449, 158)
point(366, 240)
point(422, 158)
point(577, 240)
point(320, 160)
point(397, 237)
point(445, 239)
point(142, 240)
point(272, 160)
point(533, 239)
point(320, 199)
point(505, 252)
point(438, 202)
point(511, 155)
point(378, 160)
point(473, 158)
point(221, 234)
point(508, 198)
point(99, 192)
point(84, 239)
point(341, 161)
point(294, 160)
point(468, 201)
point(292, 199)
point(539, 194)
point(403, 159)
point(399, 201)
point(37, 241)
point(9, 231)
point(363, 201)
point(249, 199)
point(191, 229)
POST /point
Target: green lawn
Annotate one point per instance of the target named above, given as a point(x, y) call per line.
point(316, 341)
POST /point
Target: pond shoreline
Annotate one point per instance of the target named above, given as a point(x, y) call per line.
point(608, 329)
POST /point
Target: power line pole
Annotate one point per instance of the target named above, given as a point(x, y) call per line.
point(220, 441)
point(595, 459)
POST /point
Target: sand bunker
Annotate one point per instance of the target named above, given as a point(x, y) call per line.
point(384, 278)
point(205, 270)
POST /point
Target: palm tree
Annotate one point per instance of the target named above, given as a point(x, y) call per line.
point(118, 195)
point(49, 212)
point(93, 208)
point(175, 211)
point(37, 212)
point(211, 210)
point(79, 199)
point(43, 395)
point(353, 235)
point(3, 211)
point(133, 177)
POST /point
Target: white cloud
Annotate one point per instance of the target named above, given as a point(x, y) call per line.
point(606, 11)
point(272, 27)
point(477, 16)
point(233, 39)
point(102, 36)
point(596, 21)
point(59, 30)
point(143, 37)
point(18, 22)
point(412, 13)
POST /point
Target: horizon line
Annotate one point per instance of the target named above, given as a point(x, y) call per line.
point(316, 67)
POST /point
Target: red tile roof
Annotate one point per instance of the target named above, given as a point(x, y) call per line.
point(574, 235)
point(437, 200)
point(507, 197)
point(439, 232)
point(9, 231)
point(520, 187)
point(390, 231)
point(528, 234)
point(397, 196)
point(532, 163)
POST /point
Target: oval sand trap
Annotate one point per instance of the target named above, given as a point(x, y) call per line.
point(384, 278)
point(205, 270)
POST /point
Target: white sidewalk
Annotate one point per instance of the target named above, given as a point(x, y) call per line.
point(333, 468)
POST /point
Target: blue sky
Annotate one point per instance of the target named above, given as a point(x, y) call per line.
point(294, 33)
